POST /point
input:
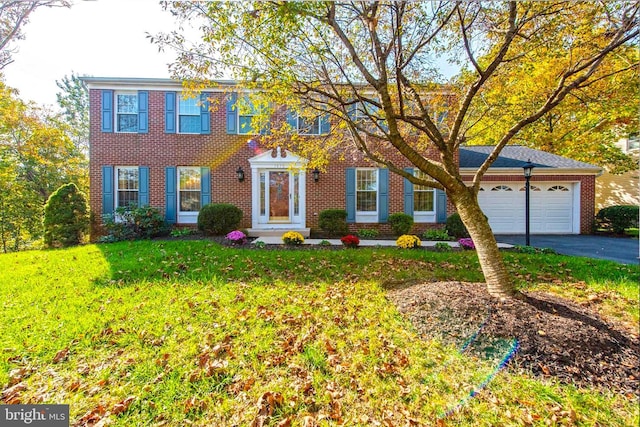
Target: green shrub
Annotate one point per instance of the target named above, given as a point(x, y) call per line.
point(368, 233)
point(618, 218)
point(333, 222)
point(443, 247)
point(455, 227)
point(66, 217)
point(436, 234)
point(134, 223)
point(219, 218)
point(401, 223)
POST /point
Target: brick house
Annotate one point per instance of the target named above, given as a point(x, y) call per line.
point(150, 146)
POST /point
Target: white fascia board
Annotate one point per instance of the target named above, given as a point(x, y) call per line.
point(149, 84)
point(538, 171)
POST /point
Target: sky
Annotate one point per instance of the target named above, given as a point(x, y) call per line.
point(102, 38)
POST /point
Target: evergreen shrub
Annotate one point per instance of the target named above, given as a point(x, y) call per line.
point(66, 217)
point(219, 218)
point(333, 222)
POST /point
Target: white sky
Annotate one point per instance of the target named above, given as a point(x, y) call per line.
point(103, 38)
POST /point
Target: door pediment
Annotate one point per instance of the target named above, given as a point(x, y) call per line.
point(276, 160)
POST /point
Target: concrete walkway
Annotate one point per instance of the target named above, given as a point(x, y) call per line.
point(273, 240)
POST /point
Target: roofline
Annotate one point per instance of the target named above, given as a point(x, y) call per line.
point(141, 83)
point(160, 83)
point(536, 172)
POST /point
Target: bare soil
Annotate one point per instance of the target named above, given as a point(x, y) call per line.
point(558, 338)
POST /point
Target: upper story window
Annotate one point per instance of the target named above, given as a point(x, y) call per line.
point(246, 112)
point(128, 186)
point(366, 190)
point(318, 125)
point(423, 196)
point(126, 112)
point(189, 115)
point(369, 115)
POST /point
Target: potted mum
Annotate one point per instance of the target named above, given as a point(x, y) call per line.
point(408, 241)
point(467, 243)
point(292, 238)
point(236, 237)
point(350, 241)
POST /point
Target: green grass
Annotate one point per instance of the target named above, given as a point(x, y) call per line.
point(208, 334)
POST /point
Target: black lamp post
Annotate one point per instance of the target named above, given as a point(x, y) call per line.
point(527, 169)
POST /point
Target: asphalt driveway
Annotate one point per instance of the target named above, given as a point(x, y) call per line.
point(618, 249)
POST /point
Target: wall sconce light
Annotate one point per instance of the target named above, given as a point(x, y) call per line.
point(240, 174)
point(316, 174)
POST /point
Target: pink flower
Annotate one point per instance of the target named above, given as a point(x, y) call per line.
point(236, 236)
point(467, 243)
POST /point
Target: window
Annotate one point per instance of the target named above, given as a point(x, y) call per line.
point(128, 186)
point(366, 190)
point(189, 191)
point(189, 115)
point(316, 126)
point(246, 112)
point(423, 196)
point(558, 188)
point(502, 188)
point(127, 112)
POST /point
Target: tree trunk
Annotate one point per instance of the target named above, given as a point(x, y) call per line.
point(499, 283)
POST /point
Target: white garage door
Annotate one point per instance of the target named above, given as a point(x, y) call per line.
point(552, 207)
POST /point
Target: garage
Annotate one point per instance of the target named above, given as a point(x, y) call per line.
point(552, 207)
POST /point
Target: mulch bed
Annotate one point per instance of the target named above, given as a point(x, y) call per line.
point(558, 338)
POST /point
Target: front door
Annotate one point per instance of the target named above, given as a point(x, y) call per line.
point(279, 196)
point(278, 191)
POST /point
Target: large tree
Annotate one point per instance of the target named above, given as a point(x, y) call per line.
point(585, 126)
point(74, 102)
point(14, 14)
point(36, 157)
point(379, 60)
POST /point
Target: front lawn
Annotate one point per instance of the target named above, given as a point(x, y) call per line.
point(176, 332)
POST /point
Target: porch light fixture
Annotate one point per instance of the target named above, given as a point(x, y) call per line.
point(527, 168)
point(240, 174)
point(316, 175)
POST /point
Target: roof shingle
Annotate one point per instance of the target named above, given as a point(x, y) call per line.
point(515, 156)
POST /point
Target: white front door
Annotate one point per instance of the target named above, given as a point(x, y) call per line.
point(279, 195)
point(278, 192)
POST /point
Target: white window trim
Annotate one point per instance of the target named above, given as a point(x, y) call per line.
point(178, 114)
point(425, 216)
point(368, 216)
point(117, 188)
point(321, 119)
point(115, 110)
point(186, 217)
point(246, 98)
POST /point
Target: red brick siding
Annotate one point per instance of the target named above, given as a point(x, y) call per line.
point(223, 153)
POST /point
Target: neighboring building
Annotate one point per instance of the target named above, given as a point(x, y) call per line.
point(150, 146)
point(622, 189)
